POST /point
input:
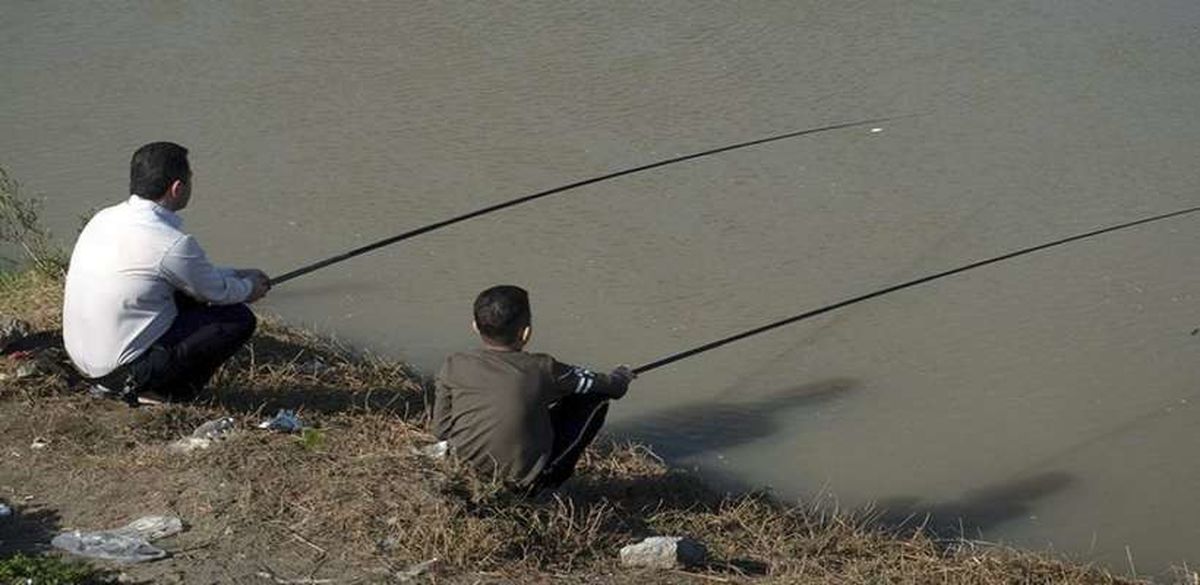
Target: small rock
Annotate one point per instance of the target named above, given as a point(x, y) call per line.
point(664, 552)
point(5, 511)
point(39, 443)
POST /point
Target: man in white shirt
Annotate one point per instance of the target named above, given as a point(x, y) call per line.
point(144, 312)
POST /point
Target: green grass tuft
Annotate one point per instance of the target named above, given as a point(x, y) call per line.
point(49, 570)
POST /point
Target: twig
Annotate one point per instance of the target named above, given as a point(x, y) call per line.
point(702, 576)
point(282, 581)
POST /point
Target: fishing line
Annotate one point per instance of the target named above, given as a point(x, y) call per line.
point(891, 289)
point(527, 198)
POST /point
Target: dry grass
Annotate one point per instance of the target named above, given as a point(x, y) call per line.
point(353, 502)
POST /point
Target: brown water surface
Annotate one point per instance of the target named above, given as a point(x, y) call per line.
point(1047, 401)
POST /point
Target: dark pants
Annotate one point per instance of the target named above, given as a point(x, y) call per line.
point(576, 420)
point(180, 363)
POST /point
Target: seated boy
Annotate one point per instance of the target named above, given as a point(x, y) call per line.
point(523, 417)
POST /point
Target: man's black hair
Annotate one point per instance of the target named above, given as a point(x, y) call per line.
point(155, 166)
point(501, 312)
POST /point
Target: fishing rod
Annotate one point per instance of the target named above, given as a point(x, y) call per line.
point(891, 289)
point(527, 198)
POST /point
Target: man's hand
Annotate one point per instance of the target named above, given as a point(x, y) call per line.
point(260, 281)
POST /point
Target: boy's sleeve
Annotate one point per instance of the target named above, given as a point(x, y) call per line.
point(440, 421)
point(567, 379)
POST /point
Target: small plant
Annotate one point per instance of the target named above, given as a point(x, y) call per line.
point(311, 439)
point(48, 570)
point(19, 225)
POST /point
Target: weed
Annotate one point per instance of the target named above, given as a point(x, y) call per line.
point(50, 570)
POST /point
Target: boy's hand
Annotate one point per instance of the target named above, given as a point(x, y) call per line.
point(624, 373)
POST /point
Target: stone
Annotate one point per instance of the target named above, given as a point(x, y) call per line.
point(664, 552)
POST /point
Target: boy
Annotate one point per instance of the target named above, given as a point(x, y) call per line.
point(524, 417)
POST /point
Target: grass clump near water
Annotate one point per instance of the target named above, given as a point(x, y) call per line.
point(351, 500)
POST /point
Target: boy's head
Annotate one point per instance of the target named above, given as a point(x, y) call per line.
point(502, 316)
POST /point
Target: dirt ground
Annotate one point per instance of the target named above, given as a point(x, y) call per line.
point(351, 500)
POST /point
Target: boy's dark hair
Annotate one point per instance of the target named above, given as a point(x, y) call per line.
point(501, 312)
point(155, 166)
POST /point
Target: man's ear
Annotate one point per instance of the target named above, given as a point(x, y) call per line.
point(175, 190)
point(474, 326)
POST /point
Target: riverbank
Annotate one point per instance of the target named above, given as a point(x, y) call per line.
point(352, 501)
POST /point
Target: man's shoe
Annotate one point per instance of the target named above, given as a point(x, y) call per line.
point(102, 391)
point(151, 398)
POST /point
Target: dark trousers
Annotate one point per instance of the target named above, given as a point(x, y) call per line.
point(576, 420)
point(180, 363)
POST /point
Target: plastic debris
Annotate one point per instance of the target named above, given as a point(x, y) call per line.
point(39, 443)
point(215, 429)
point(25, 370)
point(189, 444)
point(436, 450)
point(876, 130)
point(204, 435)
point(108, 546)
point(12, 330)
point(284, 420)
point(152, 527)
point(127, 544)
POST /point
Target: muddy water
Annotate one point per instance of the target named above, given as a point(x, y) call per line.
point(1050, 401)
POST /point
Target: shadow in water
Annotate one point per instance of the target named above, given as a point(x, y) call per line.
point(977, 511)
point(692, 429)
point(28, 530)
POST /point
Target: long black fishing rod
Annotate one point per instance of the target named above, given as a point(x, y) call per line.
point(527, 198)
point(891, 289)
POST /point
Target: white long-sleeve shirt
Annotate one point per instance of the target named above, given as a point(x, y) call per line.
point(127, 264)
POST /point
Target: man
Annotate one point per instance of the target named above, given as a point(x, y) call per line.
point(144, 312)
point(522, 417)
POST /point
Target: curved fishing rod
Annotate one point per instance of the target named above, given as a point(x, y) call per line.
point(527, 198)
point(891, 289)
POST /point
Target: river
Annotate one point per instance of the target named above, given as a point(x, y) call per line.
point(1049, 401)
